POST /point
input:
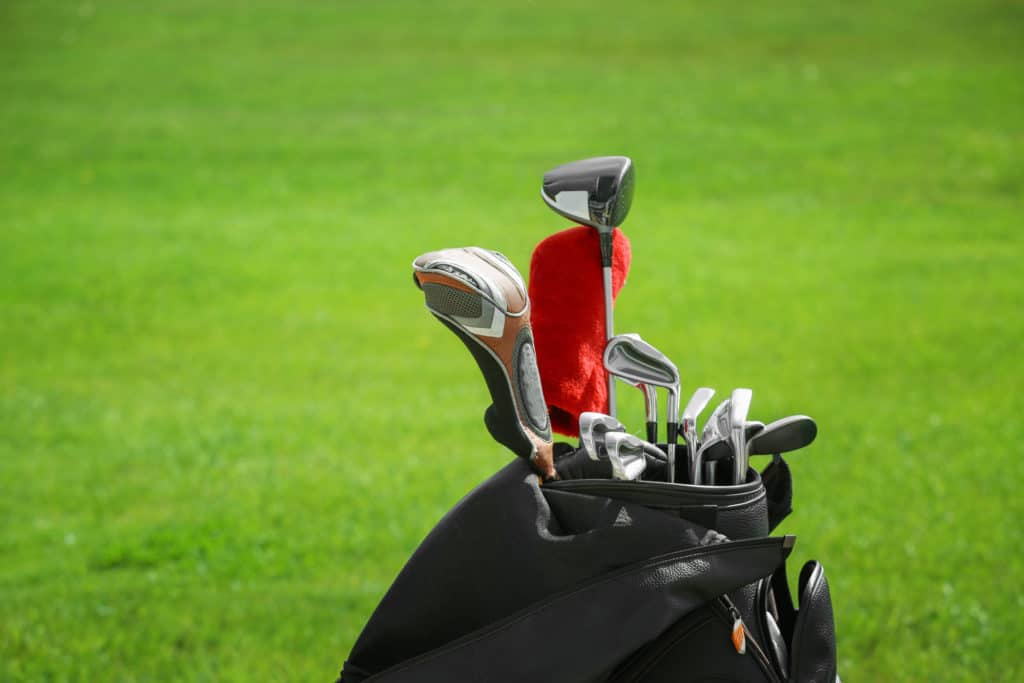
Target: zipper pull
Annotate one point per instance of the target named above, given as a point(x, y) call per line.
point(739, 631)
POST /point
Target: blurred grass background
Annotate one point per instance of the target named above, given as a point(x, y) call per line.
point(226, 419)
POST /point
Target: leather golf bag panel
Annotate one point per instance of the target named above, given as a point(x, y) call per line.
point(526, 582)
point(699, 647)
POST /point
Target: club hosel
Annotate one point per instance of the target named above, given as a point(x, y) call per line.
point(606, 247)
point(543, 460)
point(673, 432)
point(652, 432)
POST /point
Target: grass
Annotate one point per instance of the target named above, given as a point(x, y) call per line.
point(226, 420)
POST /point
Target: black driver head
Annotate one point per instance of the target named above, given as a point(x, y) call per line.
point(785, 435)
point(596, 192)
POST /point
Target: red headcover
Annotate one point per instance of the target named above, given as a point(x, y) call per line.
point(567, 314)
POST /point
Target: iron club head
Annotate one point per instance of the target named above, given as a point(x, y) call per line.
point(626, 453)
point(693, 409)
point(739, 408)
point(630, 356)
point(593, 429)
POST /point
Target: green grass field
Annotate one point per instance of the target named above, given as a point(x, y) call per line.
point(226, 419)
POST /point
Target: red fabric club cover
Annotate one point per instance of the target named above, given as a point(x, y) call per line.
point(567, 314)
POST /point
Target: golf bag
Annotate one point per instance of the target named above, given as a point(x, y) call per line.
point(604, 581)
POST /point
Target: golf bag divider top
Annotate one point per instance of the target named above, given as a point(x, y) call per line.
point(734, 511)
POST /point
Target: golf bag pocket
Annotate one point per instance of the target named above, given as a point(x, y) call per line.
point(700, 648)
point(734, 511)
point(813, 643)
point(586, 630)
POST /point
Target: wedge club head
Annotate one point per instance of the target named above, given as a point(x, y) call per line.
point(712, 427)
point(626, 454)
point(719, 448)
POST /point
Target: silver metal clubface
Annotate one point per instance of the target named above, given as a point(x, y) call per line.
point(626, 453)
point(596, 192)
point(631, 356)
point(712, 427)
point(712, 433)
point(739, 408)
point(718, 448)
point(594, 427)
point(693, 409)
point(650, 396)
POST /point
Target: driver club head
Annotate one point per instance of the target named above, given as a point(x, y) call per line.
point(594, 427)
point(596, 192)
point(784, 435)
point(626, 453)
point(630, 356)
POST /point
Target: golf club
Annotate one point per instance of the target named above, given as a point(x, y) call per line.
point(719, 448)
point(596, 192)
point(739, 408)
point(481, 297)
point(783, 435)
point(688, 423)
point(650, 393)
point(631, 356)
point(593, 429)
point(627, 454)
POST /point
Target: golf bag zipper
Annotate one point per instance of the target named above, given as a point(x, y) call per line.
point(741, 638)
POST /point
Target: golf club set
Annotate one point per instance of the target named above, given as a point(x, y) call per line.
point(609, 561)
point(482, 298)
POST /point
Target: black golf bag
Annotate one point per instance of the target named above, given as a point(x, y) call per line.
point(606, 581)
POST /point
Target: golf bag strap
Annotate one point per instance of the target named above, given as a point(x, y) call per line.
point(578, 635)
point(778, 483)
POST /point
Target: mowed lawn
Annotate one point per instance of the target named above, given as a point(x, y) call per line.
point(226, 418)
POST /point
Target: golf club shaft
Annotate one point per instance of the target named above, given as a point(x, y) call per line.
point(672, 433)
point(609, 327)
